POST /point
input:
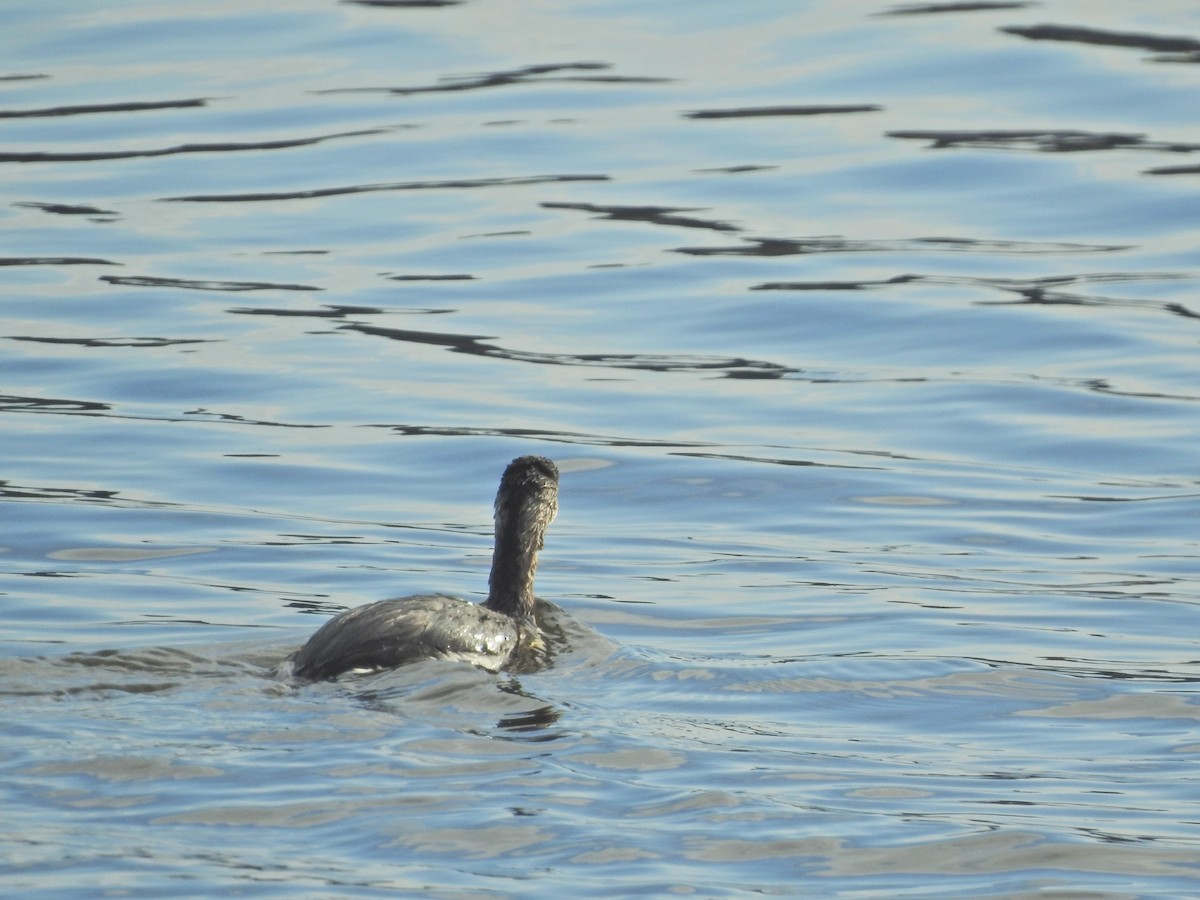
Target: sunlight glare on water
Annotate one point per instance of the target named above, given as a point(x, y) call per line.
point(863, 334)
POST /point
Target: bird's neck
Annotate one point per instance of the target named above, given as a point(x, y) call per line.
point(514, 563)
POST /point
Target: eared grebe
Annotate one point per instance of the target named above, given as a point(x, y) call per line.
point(492, 634)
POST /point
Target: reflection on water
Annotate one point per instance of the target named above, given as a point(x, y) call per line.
point(1046, 141)
point(94, 108)
point(797, 247)
point(395, 186)
point(780, 111)
point(465, 343)
point(1180, 49)
point(523, 75)
point(863, 340)
point(95, 156)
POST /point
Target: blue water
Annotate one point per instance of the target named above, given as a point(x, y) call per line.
point(864, 335)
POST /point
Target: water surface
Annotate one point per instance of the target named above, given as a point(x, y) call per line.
point(863, 334)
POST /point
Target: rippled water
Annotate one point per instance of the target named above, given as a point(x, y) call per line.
point(865, 337)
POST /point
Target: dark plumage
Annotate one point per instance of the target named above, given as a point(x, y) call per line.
point(390, 632)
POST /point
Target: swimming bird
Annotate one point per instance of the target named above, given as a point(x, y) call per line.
point(491, 634)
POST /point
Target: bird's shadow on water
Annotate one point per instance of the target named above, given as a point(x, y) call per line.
point(456, 695)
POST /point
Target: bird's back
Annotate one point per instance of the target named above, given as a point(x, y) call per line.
point(390, 632)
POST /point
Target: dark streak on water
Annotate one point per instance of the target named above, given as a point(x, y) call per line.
point(98, 108)
point(396, 186)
